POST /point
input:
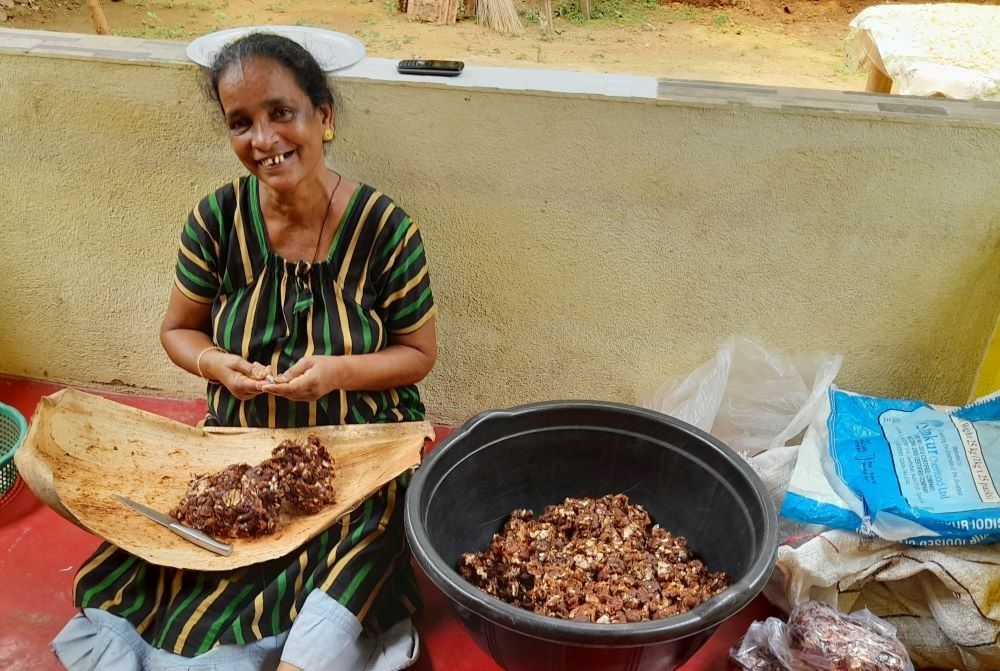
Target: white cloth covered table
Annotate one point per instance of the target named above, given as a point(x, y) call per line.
point(948, 49)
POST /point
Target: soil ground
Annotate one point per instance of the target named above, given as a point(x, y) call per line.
point(771, 42)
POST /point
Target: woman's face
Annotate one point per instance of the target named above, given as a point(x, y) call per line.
point(273, 126)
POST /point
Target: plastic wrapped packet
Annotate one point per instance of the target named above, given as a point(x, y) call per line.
point(824, 639)
point(754, 651)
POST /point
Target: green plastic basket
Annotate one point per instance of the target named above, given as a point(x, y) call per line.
point(12, 431)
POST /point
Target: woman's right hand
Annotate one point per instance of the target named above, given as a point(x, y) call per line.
point(242, 378)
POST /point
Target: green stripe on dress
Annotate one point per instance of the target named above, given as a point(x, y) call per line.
point(366, 332)
point(335, 245)
point(180, 608)
point(216, 212)
point(276, 611)
point(104, 584)
point(417, 253)
point(191, 277)
point(272, 314)
point(192, 235)
point(359, 577)
point(234, 311)
point(393, 242)
point(413, 307)
point(212, 635)
point(366, 514)
point(141, 599)
point(257, 216)
point(324, 542)
point(238, 632)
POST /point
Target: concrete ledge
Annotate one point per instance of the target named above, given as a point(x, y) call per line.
point(697, 93)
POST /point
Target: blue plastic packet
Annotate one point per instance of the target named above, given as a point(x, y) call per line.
point(902, 470)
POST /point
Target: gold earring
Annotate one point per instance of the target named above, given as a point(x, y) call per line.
point(327, 135)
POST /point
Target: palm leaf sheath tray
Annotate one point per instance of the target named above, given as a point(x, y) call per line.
point(81, 449)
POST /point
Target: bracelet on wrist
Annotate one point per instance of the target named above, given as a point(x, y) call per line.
point(197, 363)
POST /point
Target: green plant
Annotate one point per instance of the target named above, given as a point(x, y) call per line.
point(279, 7)
point(842, 70)
point(722, 19)
point(530, 16)
point(623, 11)
point(569, 10)
point(369, 37)
point(391, 7)
point(409, 39)
point(154, 29)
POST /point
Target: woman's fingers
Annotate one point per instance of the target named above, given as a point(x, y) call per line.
point(241, 381)
point(302, 387)
point(300, 368)
point(259, 371)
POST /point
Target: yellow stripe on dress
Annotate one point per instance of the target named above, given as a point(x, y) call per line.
point(367, 398)
point(345, 528)
point(195, 259)
point(175, 589)
point(420, 322)
point(223, 301)
point(148, 620)
point(195, 297)
point(407, 288)
point(275, 359)
point(271, 402)
point(251, 316)
point(310, 348)
point(198, 613)
point(349, 256)
point(358, 295)
point(303, 563)
point(120, 594)
point(241, 235)
point(366, 541)
point(201, 222)
point(345, 328)
point(258, 611)
point(399, 248)
point(91, 565)
point(217, 402)
point(378, 585)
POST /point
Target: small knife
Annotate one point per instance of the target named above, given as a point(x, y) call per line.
point(199, 538)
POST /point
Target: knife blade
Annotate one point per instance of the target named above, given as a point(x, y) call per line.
point(199, 538)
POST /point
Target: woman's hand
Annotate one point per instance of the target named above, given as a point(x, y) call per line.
point(242, 378)
point(407, 360)
point(310, 379)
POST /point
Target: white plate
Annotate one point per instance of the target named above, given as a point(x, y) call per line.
point(331, 50)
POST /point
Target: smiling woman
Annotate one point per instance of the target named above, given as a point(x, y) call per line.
point(303, 297)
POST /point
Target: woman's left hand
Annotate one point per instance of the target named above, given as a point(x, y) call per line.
point(310, 379)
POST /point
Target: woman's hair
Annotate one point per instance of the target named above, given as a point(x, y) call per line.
point(283, 51)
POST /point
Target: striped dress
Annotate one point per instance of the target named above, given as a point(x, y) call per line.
point(373, 284)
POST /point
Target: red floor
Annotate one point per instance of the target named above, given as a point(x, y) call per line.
point(40, 552)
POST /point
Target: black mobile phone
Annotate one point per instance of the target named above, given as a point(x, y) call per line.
point(430, 67)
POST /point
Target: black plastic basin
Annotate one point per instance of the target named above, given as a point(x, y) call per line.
point(537, 455)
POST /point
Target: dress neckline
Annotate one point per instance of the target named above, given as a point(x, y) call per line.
point(257, 217)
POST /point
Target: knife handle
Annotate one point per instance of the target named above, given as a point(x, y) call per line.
point(202, 539)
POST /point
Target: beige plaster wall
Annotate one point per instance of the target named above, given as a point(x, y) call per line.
point(579, 246)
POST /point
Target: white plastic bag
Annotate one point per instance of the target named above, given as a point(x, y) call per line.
point(751, 398)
